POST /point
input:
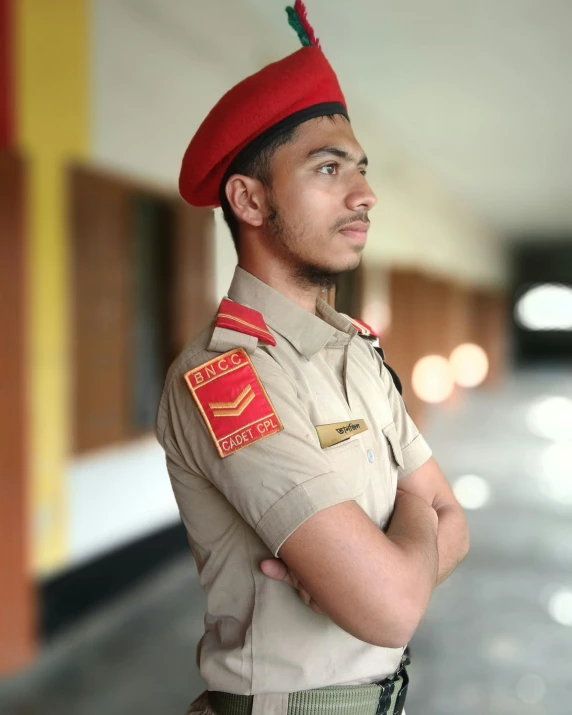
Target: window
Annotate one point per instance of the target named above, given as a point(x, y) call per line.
point(141, 288)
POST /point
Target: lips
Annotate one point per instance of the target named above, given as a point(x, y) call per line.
point(357, 229)
point(356, 226)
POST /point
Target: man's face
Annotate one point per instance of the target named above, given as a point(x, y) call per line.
point(319, 200)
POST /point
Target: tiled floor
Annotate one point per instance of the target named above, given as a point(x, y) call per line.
point(488, 645)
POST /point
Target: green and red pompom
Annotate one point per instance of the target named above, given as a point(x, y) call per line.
point(298, 19)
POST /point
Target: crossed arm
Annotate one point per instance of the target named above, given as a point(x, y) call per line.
point(429, 483)
point(377, 586)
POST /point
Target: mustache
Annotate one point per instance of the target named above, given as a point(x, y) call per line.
point(341, 222)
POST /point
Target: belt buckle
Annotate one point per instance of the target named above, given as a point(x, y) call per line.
point(400, 701)
point(387, 690)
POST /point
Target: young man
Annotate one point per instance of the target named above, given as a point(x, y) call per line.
point(319, 521)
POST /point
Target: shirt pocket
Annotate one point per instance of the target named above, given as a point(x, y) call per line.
point(348, 459)
point(390, 432)
point(395, 461)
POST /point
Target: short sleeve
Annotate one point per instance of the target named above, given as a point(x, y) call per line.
point(276, 483)
point(414, 448)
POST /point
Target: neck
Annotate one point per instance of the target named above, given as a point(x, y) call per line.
point(285, 282)
point(279, 274)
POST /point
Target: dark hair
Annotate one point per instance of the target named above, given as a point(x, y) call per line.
point(259, 167)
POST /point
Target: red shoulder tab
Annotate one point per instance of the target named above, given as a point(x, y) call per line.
point(363, 328)
point(235, 316)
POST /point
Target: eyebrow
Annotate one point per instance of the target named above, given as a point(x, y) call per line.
point(336, 151)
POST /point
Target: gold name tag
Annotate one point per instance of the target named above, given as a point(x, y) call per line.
point(338, 432)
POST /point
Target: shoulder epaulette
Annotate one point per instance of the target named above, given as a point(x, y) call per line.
point(363, 328)
point(365, 331)
point(242, 319)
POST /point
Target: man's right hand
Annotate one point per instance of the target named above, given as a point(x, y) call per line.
point(277, 569)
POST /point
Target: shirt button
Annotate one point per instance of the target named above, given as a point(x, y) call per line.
point(370, 455)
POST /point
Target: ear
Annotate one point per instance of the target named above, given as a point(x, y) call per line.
point(246, 198)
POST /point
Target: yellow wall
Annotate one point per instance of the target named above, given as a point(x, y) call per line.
point(52, 129)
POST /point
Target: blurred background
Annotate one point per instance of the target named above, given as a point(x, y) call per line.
point(465, 111)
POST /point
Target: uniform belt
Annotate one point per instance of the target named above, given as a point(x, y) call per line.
point(384, 698)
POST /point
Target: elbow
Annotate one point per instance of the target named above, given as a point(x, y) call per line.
point(409, 618)
point(398, 632)
point(400, 618)
point(396, 638)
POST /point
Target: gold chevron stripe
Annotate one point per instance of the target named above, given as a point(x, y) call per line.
point(244, 322)
point(235, 413)
point(231, 405)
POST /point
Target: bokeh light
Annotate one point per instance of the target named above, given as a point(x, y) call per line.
point(556, 471)
point(531, 689)
point(470, 365)
point(377, 313)
point(551, 417)
point(560, 606)
point(432, 379)
point(472, 491)
point(545, 307)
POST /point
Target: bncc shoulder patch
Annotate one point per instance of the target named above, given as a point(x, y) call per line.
point(233, 402)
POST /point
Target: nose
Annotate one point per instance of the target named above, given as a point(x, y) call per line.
point(361, 197)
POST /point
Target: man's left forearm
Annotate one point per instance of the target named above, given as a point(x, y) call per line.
point(452, 539)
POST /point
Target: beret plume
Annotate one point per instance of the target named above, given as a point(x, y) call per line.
point(280, 96)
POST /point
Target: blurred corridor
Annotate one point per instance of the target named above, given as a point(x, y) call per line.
point(496, 639)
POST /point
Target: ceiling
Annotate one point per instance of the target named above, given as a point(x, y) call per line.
point(477, 94)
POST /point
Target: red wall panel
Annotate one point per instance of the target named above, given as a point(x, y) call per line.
point(16, 592)
point(6, 74)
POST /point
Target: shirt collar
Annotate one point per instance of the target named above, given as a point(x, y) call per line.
point(306, 332)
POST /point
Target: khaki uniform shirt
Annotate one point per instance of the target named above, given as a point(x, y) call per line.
point(238, 510)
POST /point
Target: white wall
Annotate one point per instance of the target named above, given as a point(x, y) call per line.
point(158, 67)
point(416, 223)
point(225, 256)
point(117, 495)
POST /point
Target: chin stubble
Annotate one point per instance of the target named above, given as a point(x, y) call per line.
point(311, 276)
point(307, 275)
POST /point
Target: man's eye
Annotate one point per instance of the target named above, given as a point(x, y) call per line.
point(329, 169)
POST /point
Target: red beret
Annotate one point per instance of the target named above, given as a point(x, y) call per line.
point(277, 98)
